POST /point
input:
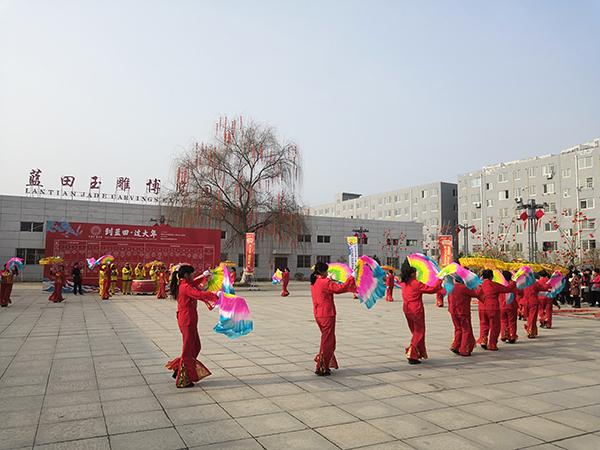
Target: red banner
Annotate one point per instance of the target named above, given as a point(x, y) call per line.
point(75, 242)
point(445, 244)
point(250, 247)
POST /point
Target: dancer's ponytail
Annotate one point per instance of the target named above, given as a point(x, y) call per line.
point(177, 276)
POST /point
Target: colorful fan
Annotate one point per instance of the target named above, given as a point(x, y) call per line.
point(220, 280)
point(277, 277)
point(91, 263)
point(50, 260)
point(427, 268)
point(557, 282)
point(370, 281)
point(448, 284)
point(470, 279)
point(235, 319)
point(339, 272)
point(524, 277)
point(14, 262)
point(499, 277)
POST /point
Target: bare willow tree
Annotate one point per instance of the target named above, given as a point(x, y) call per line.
point(246, 179)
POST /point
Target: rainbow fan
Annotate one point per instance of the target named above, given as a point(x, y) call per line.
point(339, 272)
point(220, 280)
point(104, 259)
point(470, 279)
point(427, 268)
point(370, 281)
point(277, 277)
point(499, 277)
point(557, 283)
point(14, 263)
point(235, 319)
point(524, 277)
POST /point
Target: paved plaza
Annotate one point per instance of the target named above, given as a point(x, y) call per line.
point(90, 374)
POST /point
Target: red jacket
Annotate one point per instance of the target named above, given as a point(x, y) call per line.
point(460, 299)
point(412, 294)
point(389, 281)
point(187, 305)
point(285, 277)
point(489, 292)
point(530, 294)
point(511, 305)
point(322, 295)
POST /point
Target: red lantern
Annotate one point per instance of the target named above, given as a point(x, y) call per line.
point(539, 214)
point(523, 216)
point(473, 230)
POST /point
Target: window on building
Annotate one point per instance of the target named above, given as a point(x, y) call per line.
point(548, 188)
point(568, 212)
point(393, 261)
point(552, 207)
point(531, 172)
point(517, 192)
point(434, 192)
point(453, 192)
point(304, 238)
point(412, 242)
point(303, 261)
point(475, 198)
point(589, 183)
point(323, 239)
point(584, 162)
point(565, 173)
point(588, 244)
point(519, 227)
point(36, 227)
point(464, 216)
point(423, 194)
point(502, 177)
point(223, 234)
point(476, 182)
point(488, 186)
point(532, 190)
point(30, 255)
point(503, 195)
point(324, 259)
point(566, 193)
point(548, 169)
point(588, 224)
point(519, 246)
point(503, 212)
point(489, 220)
point(586, 203)
point(548, 226)
point(476, 214)
point(434, 207)
point(517, 174)
point(549, 246)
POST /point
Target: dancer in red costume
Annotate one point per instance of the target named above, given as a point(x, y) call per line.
point(162, 283)
point(59, 281)
point(285, 280)
point(6, 287)
point(489, 292)
point(531, 295)
point(439, 297)
point(187, 369)
point(459, 305)
point(389, 283)
point(412, 296)
point(508, 313)
point(322, 290)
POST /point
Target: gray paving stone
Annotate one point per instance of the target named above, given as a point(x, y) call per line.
point(70, 412)
point(163, 439)
point(242, 444)
point(585, 442)
point(296, 440)
point(575, 419)
point(132, 405)
point(299, 401)
point(270, 424)
point(494, 412)
point(11, 438)
point(67, 431)
point(323, 416)
point(357, 434)
point(99, 443)
point(212, 432)
point(452, 418)
point(370, 409)
point(498, 437)
point(197, 414)
point(443, 441)
point(406, 426)
point(543, 429)
point(140, 421)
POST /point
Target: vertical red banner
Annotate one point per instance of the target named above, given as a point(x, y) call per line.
point(445, 244)
point(250, 248)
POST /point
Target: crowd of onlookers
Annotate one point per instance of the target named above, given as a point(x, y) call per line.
point(583, 285)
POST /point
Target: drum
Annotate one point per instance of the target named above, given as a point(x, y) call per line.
point(143, 286)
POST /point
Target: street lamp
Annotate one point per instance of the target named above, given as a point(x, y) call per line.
point(466, 229)
point(532, 213)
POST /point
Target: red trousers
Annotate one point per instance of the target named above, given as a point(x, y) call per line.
point(284, 291)
point(481, 337)
point(439, 300)
point(490, 329)
point(5, 290)
point(531, 326)
point(508, 322)
point(545, 311)
point(326, 357)
point(56, 295)
point(416, 324)
point(388, 294)
point(188, 368)
point(106, 289)
point(464, 341)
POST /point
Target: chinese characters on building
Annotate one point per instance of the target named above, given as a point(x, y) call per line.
point(138, 232)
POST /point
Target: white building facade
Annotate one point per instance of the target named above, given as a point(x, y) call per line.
point(566, 184)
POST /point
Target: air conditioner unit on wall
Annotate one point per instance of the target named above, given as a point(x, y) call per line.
point(477, 204)
point(549, 175)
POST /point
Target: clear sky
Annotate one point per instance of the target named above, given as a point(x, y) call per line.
point(377, 94)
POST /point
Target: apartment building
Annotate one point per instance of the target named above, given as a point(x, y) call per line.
point(433, 204)
point(566, 184)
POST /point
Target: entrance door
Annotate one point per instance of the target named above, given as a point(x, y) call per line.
point(281, 262)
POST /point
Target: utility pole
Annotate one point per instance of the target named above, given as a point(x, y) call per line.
point(466, 229)
point(534, 212)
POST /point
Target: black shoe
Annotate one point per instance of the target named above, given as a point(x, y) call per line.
point(504, 339)
point(413, 361)
point(174, 375)
point(484, 346)
point(325, 373)
point(4, 306)
point(512, 341)
point(453, 350)
point(189, 385)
